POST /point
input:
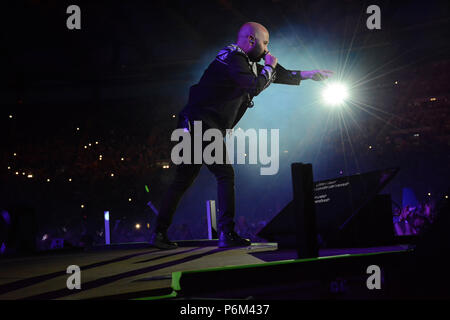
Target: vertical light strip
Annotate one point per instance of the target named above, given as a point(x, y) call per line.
point(107, 238)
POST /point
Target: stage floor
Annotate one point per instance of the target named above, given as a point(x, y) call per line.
point(132, 270)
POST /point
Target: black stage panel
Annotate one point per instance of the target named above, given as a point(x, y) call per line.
point(349, 212)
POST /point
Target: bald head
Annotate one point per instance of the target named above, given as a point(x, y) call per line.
point(253, 39)
point(251, 28)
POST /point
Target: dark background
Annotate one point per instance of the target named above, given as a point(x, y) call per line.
point(123, 78)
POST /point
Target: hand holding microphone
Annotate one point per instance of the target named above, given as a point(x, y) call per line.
point(270, 60)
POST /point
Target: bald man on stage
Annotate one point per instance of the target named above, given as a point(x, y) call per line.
point(219, 100)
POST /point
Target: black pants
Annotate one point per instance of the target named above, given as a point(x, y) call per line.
point(184, 177)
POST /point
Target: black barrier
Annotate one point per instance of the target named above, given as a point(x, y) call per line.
point(304, 210)
point(348, 211)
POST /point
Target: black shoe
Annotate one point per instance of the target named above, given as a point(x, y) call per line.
point(160, 241)
point(232, 239)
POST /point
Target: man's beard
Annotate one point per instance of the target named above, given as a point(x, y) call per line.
point(255, 58)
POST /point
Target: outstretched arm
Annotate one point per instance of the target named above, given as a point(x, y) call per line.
point(316, 75)
point(294, 77)
point(283, 76)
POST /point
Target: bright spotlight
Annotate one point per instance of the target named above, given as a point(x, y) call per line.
point(335, 94)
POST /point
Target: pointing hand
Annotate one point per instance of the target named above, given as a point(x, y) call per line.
point(317, 75)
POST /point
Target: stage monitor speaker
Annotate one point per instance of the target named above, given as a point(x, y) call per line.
point(371, 226)
point(348, 213)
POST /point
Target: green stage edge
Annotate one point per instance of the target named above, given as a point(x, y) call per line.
point(176, 276)
point(167, 296)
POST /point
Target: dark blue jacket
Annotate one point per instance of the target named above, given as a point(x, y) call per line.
point(227, 87)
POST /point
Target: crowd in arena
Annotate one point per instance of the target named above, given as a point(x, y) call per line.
point(411, 220)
